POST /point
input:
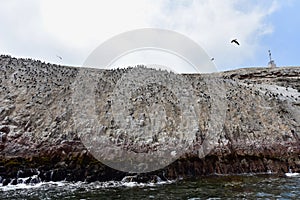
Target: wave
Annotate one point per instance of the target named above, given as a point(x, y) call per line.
point(127, 181)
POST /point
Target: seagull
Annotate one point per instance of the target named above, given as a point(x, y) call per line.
point(235, 41)
point(59, 57)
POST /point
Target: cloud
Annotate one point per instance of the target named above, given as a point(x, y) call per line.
point(82, 23)
point(214, 23)
point(73, 29)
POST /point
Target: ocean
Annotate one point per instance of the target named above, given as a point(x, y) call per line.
point(246, 186)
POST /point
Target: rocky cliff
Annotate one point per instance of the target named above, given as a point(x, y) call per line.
point(257, 127)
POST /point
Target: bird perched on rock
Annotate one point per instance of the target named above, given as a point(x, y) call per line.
point(235, 41)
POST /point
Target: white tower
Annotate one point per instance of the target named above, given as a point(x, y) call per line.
point(271, 63)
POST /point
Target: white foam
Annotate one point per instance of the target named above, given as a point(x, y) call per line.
point(291, 174)
point(93, 185)
point(21, 186)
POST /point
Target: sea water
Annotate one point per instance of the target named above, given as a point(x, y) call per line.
point(247, 186)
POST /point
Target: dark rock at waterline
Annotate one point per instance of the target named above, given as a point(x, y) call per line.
point(28, 180)
point(14, 181)
point(58, 175)
point(20, 181)
point(35, 180)
point(6, 181)
point(23, 173)
point(261, 130)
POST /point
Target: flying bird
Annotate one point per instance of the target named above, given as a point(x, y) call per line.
point(235, 41)
point(212, 59)
point(59, 57)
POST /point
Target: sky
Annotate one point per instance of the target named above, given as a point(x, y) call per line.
point(70, 29)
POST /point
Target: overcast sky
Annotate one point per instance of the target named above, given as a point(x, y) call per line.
point(46, 29)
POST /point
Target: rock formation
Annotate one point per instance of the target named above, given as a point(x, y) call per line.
point(257, 128)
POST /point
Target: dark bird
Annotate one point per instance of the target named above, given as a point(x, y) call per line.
point(59, 57)
point(235, 41)
point(212, 59)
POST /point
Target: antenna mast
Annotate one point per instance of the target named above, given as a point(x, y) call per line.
point(271, 63)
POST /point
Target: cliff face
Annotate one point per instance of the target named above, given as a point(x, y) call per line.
point(257, 127)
